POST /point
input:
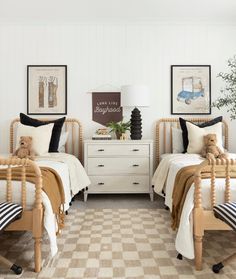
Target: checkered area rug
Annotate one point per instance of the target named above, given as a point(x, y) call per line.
point(117, 243)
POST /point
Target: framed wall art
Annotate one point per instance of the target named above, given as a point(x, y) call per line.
point(47, 89)
point(190, 89)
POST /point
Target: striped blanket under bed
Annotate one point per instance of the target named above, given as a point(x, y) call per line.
point(8, 213)
point(227, 213)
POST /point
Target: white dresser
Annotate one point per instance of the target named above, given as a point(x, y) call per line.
point(119, 166)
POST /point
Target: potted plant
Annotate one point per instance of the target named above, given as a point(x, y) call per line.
point(119, 128)
point(228, 98)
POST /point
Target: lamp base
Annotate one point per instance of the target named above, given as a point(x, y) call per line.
point(136, 125)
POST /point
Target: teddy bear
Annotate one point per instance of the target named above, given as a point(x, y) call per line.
point(210, 150)
point(25, 150)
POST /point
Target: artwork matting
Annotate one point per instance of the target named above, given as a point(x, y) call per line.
point(190, 89)
point(46, 89)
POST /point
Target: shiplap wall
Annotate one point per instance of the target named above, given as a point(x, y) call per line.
point(109, 53)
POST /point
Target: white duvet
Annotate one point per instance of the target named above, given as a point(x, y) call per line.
point(164, 178)
point(74, 178)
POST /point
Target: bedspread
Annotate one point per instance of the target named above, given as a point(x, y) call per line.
point(78, 177)
point(183, 181)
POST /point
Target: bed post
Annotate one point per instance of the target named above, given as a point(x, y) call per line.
point(198, 226)
point(37, 218)
point(158, 141)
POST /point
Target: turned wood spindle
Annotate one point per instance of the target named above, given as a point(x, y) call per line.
point(227, 182)
point(23, 187)
point(9, 184)
point(213, 189)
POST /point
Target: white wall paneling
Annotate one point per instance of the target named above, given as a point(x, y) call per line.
point(109, 53)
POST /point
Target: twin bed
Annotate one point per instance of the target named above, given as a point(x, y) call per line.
point(44, 187)
point(192, 186)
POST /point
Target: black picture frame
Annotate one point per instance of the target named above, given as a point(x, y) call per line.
point(190, 89)
point(47, 89)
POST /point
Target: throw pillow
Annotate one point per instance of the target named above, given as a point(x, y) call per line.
point(41, 136)
point(196, 134)
point(177, 141)
point(56, 132)
point(201, 125)
point(62, 142)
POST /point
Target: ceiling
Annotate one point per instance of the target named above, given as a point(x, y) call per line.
point(117, 10)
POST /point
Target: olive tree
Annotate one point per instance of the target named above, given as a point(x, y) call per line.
point(228, 94)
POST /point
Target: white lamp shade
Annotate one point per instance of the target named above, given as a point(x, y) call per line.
point(135, 96)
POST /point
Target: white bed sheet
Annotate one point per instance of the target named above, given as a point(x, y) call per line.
point(164, 177)
point(74, 178)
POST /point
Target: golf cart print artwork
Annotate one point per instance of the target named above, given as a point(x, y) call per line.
point(192, 89)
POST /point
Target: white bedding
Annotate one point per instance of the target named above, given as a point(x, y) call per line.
point(74, 178)
point(72, 173)
point(164, 177)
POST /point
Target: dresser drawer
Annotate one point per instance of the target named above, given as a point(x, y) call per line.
point(119, 184)
point(108, 166)
point(118, 150)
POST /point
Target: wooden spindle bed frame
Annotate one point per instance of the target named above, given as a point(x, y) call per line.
point(74, 144)
point(202, 219)
point(32, 220)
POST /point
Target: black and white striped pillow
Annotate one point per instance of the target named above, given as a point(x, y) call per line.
point(8, 213)
point(227, 213)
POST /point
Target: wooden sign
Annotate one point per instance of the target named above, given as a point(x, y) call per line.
point(106, 107)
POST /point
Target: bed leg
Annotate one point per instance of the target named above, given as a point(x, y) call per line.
point(179, 257)
point(85, 196)
point(37, 253)
point(152, 197)
point(198, 252)
point(37, 235)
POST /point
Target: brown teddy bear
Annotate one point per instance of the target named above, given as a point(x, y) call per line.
point(25, 150)
point(210, 149)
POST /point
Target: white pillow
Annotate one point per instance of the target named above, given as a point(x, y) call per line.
point(62, 142)
point(177, 141)
point(41, 136)
point(196, 134)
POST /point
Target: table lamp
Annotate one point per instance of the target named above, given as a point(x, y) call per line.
point(135, 96)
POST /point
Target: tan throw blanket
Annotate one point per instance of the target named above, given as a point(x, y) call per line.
point(183, 181)
point(51, 185)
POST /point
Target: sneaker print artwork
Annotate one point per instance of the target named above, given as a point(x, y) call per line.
point(48, 86)
point(190, 89)
point(46, 89)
